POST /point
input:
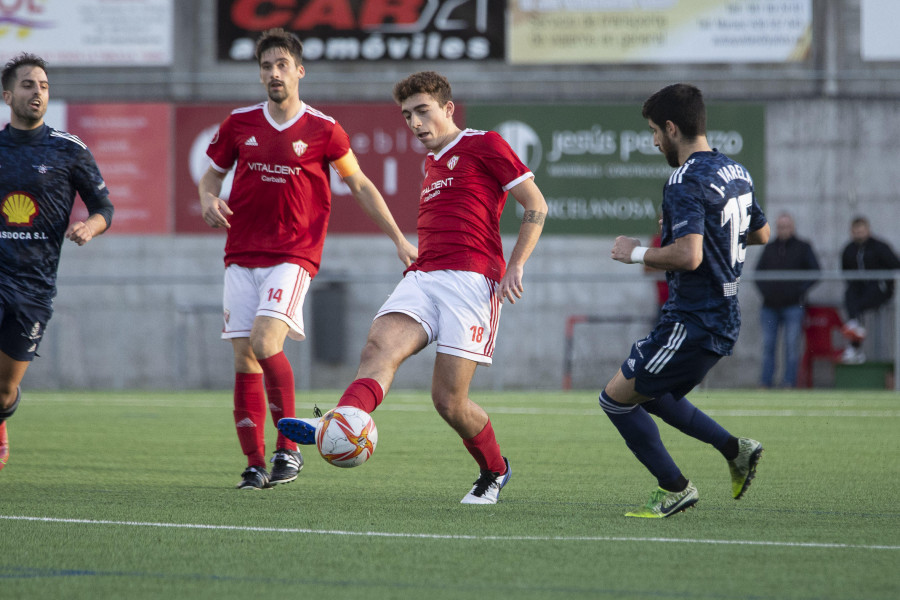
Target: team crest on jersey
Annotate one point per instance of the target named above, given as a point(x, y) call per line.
point(300, 147)
point(19, 209)
point(452, 162)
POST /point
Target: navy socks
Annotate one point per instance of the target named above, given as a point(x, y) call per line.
point(687, 418)
point(641, 435)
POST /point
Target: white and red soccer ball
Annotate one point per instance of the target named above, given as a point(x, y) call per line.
point(346, 436)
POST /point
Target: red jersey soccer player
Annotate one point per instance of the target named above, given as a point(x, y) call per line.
point(452, 294)
point(277, 216)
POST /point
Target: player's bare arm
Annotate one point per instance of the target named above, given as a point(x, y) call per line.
point(684, 254)
point(532, 200)
point(214, 210)
point(372, 202)
point(759, 237)
point(84, 231)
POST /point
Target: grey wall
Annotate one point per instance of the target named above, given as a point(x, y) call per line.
point(144, 311)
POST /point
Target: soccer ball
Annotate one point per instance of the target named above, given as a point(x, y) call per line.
point(346, 436)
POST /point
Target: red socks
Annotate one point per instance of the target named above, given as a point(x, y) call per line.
point(279, 377)
point(250, 406)
point(364, 394)
point(250, 416)
point(486, 451)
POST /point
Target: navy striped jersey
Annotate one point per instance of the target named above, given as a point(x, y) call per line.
point(40, 172)
point(710, 195)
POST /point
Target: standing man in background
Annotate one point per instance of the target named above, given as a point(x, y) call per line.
point(784, 301)
point(41, 170)
point(276, 219)
point(864, 253)
point(710, 216)
point(453, 293)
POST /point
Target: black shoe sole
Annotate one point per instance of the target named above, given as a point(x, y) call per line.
point(754, 460)
point(274, 482)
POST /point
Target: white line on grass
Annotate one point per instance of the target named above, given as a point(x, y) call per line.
point(551, 411)
point(438, 536)
point(425, 406)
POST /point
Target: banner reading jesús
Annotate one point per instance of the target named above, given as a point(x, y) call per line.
point(368, 30)
point(597, 166)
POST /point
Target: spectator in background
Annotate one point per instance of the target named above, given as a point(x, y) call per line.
point(783, 301)
point(864, 253)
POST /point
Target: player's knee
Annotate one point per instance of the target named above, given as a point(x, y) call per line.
point(448, 405)
point(9, 401)
point(377, 356)
point(8, 394)
point(611, 407)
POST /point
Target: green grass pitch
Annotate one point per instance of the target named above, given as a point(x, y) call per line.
point(131, 495)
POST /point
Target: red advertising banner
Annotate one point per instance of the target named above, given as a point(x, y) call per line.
point(131, 144)
point(388, 154)
point(195, 125)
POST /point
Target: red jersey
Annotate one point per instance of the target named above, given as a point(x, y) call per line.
point(281, 195)
point(463, 194)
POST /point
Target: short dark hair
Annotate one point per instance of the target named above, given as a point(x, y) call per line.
point(8, 79)
point(424, 82)
point(279, 38)
point(680, 103)
point(859, 220)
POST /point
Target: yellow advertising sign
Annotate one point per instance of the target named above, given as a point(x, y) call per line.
point(658, 31)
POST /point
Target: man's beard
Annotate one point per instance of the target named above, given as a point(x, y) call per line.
point(671, 155)
point(29, 116)
point(278, 94)
point(670, 151)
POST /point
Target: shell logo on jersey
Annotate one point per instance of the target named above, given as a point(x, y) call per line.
point(19, 209)
point(452, 162)
point(300, 147)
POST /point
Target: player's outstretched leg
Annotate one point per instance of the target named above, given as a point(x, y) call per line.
point(743, 467)
point(364, 393)
point(286, 465)
point(664, 503)
point(486, 488)
point(4, 445)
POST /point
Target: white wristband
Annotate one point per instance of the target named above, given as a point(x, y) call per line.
point(637, 255)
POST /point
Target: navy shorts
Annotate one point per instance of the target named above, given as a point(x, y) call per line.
point(669, 360)
point(23, 319)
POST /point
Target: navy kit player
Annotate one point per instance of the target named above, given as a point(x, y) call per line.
point(709, 217)
point(41, 170)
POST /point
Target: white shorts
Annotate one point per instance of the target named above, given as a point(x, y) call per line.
point(276, 292)
point(458, 309)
